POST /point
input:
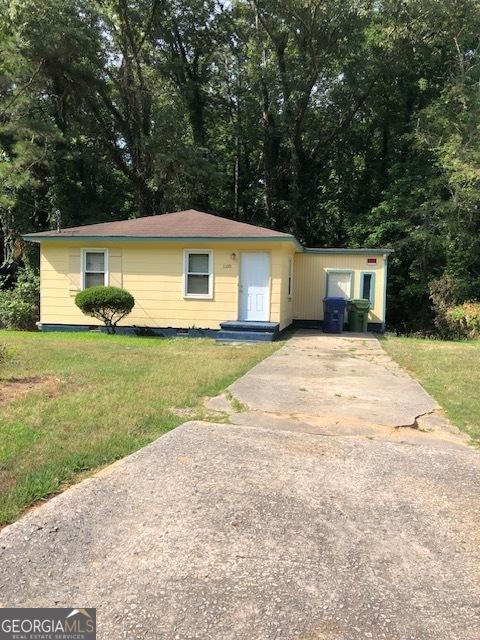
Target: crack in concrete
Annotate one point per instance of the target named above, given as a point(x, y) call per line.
point(414, 424)
point(315, 421)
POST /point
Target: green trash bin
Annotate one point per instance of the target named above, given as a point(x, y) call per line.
point(358, 315)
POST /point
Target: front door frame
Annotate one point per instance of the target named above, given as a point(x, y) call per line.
point(239, 297)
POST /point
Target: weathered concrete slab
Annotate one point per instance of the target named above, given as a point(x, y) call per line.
point(222, 532)
point(338, 385)
point(434, 431)
point(347, 380)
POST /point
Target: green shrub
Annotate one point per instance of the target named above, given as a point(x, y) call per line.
point(20, 306)
point(108, 304)
point(445, 294)
point(464, 320)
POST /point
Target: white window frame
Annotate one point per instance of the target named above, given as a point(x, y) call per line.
point(290, 278)
point(331, 272)
point(84, 263)
point(186, 273)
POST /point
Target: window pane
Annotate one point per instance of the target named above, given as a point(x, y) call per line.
point(198, 262)
point(94, 262)
point(197, 284)
point(339, 285)
point(367, 286)
point(94, 279)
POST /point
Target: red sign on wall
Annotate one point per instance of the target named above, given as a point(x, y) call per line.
point(371, 261)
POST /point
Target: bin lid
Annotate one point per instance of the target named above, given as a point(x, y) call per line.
point(360, 303)
point(334, 299)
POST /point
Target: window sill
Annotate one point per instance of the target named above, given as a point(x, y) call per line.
point(198, 296)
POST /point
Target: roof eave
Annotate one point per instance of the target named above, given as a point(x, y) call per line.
point(34, 237)
point(351, 251)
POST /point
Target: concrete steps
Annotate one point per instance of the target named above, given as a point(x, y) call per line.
point(236, 331)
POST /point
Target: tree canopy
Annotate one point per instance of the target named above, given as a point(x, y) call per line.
point(345, 122)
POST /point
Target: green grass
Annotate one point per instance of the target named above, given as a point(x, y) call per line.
point(449, 371)
point(99, 398)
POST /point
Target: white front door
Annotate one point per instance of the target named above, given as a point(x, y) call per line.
point(254, 286)
point(339, 284)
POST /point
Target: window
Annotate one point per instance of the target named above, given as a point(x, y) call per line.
point(367, 289)
point(339, 284)
point(290, 276)
point(198, 274)
point(94, 267)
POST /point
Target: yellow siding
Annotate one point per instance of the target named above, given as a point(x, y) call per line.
point(310, 277)
point(286, 308)
point(153, 273)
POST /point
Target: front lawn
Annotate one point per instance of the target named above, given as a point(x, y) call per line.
point(449, 371)
point(72, 402)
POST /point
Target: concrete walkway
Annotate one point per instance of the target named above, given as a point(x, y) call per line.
point(336, 385)
point(269, 532)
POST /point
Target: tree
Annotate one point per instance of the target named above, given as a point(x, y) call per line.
point(449, 128)
point(346, 123)
point(20, 306)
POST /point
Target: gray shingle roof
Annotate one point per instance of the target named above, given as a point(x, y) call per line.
point(182, 224)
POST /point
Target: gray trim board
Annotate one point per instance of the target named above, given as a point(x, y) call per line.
point(307, 324)
point(165, 332)
point(361, 251)
point(385, 278)
point(375, 327)
point(209, 239)
point(288, 238)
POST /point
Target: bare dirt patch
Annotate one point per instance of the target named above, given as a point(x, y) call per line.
point(17, 387)
point(187, 413)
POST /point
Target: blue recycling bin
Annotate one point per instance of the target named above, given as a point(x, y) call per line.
point(333, 314)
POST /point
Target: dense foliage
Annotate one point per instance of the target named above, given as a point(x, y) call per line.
point(465, 320)
point(108, 304)
point(19, 305)
point(346, 122)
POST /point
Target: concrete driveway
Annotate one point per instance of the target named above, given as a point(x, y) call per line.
point(272, 529)
point(336, 385)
